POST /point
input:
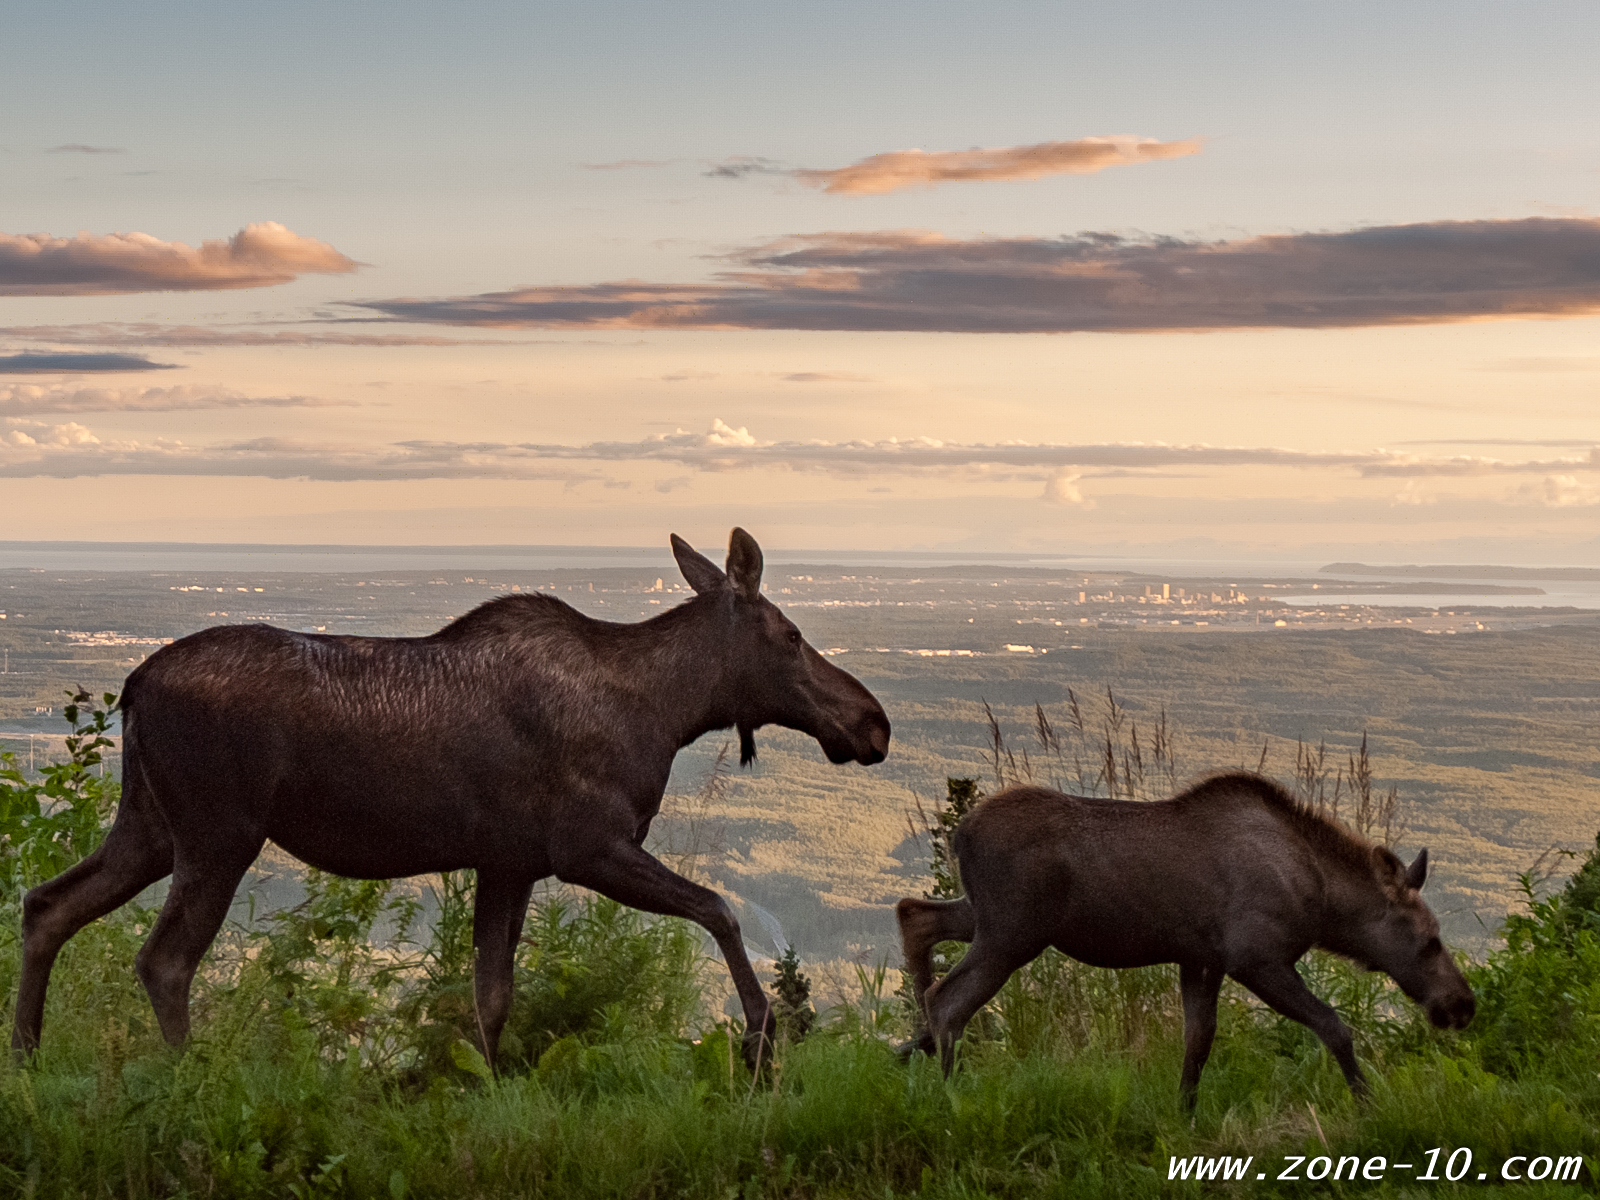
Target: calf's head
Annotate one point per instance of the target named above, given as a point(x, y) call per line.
point(1403, 939)
point(771, 675)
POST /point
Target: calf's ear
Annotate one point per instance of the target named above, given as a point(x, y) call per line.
point(744, 565)
point(1417, 872)
point(702, 574)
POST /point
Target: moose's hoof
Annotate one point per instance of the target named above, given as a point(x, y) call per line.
point(757, 1048)
point(922, 1043)
point(758, 1043)
point(23, 1044)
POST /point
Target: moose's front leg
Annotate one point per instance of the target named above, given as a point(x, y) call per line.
point(633, 877)
point(1280, 985)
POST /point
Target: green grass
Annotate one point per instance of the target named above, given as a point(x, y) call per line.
point(330, 1061)
point(1069, 1090)
point(253, 1108)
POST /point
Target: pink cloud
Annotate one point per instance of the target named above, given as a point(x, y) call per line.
point(259, 255)
point(149, 333)
point(900, 169)
point(65, 398)
point(1427, 273)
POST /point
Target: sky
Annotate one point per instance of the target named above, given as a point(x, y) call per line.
point(1272, 280)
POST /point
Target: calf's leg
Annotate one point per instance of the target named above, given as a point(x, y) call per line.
point(923, 925)
point(633, 877)
point(1200, 986)
point(1280, 985)
point(498, 913)
point(970, 985)
point(136, 853)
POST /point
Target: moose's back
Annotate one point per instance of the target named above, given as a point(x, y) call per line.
point(1118, 883)
point(376, 757)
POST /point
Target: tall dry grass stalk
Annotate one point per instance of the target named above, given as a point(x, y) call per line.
point(690, 840)
point(1103, 754)
point(1372, 813)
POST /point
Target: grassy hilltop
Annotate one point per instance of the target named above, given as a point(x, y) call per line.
point(333, 1056)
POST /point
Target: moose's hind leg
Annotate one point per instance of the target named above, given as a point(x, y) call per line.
point(971, 984)
point(1200, 986)
point(196, 906)
point(923, 925)
point(136, 853)
point(499, 911)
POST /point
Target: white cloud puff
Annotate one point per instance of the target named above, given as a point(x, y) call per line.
point(1058, 467)
point(1061, 487)
point(1560, 491)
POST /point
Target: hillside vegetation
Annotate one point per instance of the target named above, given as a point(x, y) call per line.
point(333, 1056)
point(1491, 735)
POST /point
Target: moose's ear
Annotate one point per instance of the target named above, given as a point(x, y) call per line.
point(1417, 872)
point(1390, 869)
point(744, 565)
point(700, 571)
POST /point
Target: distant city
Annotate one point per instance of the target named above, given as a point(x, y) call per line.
point(1476, 688)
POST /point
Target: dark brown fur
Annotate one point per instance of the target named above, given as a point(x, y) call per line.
point(1232, 877)
point(523, 740)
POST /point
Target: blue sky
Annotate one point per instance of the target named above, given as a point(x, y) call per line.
point(467, 152)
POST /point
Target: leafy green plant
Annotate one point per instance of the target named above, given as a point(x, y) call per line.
point(49, 823)
point(1580, 899)
point(794, 1010)
point(962, 795)
point(1542, 988)
point(321, 961)
point(579, 959)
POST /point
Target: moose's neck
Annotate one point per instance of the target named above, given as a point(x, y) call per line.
point(679, 662)
point(1352, 902)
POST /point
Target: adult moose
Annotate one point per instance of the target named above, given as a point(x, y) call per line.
point(523, 740)
point(1232, 877)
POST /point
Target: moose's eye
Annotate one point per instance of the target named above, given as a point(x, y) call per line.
point(794, 637)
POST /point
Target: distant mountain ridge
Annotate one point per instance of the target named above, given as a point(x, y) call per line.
point(1462, 571)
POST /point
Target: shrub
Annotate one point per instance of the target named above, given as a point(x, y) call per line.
point(585, 965)
point(794, 1010)
point(51, 822)
point(1542, 988)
